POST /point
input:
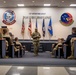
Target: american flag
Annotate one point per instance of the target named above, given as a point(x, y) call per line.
point(30, 27)
point(23, 27)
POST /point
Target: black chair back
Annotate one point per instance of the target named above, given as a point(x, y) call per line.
point(8, 39)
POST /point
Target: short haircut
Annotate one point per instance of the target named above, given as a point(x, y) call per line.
point(74, 29)
point(16, 38)
point(62, 39)
point(10, 34)
point(5, 31)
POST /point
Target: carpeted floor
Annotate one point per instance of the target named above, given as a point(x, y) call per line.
point(43, 59)
point(40, 55)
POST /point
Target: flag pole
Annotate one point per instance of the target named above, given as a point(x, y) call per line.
point(36, 23)
point(50, 29)
point(43, 28)
point(43, 38)
point(24, 28)
point(49, 37)
point(23, 36)
point(30, 37)
point(30, 28)
point(43, 33)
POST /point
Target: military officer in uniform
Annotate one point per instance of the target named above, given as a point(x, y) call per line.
point(69, 40)
point(36, 36)
point(0, 33)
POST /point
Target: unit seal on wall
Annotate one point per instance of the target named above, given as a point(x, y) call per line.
point(9, 17)
point(66, 19)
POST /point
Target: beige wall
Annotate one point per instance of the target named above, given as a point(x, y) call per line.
point(58, 29)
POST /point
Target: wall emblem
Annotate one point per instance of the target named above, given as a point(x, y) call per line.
point(9, 17)
point(66, 19)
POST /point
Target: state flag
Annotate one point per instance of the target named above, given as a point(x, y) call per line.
point(50, 28)
point(43, 28)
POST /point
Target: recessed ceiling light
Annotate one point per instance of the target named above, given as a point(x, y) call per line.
point(33, 1)
point(46, 67)
point(20, 68)
point(16, 74)
point(4, 1)
point(20, 4)
point(72, 69)
point(72, 4)
point(47, 4)
point(62, 1)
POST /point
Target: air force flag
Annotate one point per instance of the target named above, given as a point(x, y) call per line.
point(50, 28)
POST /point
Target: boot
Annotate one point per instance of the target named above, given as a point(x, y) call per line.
point(70, 57)
point(72, 52)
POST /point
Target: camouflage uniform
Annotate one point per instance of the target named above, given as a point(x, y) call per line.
point(0, 35)
point(56, 47)
point(72, 49)
point(36, 36)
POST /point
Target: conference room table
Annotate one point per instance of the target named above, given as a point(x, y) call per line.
point(45, 45)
